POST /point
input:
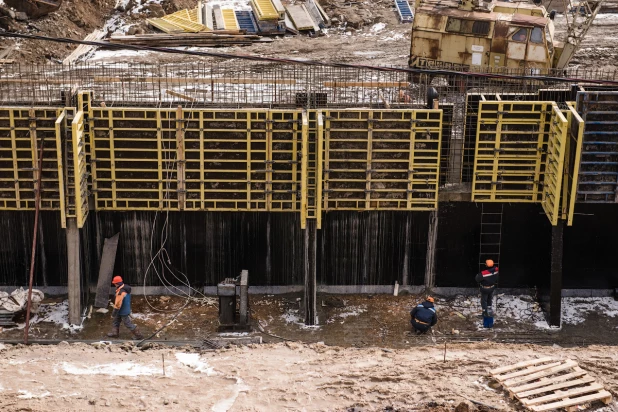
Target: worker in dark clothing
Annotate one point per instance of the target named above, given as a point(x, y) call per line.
point(488, 282)
point(122, 310)
point(424, 316)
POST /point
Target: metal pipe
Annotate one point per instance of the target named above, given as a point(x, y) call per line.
point(37, 201)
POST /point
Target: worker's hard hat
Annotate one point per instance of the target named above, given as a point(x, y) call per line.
point(117, 279)
point(430, 299)
point(489, 263)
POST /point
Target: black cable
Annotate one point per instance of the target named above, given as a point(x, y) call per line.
point(166, 325)
point(294, 61)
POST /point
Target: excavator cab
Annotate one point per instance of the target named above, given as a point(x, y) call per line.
point(474, 34)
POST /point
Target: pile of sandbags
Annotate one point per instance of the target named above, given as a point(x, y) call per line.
point(18, 300)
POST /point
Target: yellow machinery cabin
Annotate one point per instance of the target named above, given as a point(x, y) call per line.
point(472, 33)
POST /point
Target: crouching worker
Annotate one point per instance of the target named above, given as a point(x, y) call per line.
point(424, 316)
point(122, 310)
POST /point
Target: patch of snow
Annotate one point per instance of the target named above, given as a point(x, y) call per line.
point(194, 361)
point(240, 5)
point(113, 369)
point(142, 316)
point(291, 316)
point(393, 37)
point(352, 311)
point(378, 27)
point(30, 395)
point(575, 310)
point(226, 404)
point(106, 54)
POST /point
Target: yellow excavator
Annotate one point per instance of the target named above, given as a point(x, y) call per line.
point(474, 35)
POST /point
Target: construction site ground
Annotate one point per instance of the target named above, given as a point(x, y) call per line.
point(361, 354)
point(365, 32)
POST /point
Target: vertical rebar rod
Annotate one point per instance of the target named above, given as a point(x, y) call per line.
point(37, 201)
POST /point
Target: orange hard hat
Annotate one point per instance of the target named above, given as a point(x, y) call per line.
point(117, 279)
point(489, 263)
point(430, 299)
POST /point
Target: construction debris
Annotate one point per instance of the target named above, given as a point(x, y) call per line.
point(547, 384)
point(83, 49)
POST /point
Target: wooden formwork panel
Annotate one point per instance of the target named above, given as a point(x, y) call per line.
point(381, 159)
point(21, 131)
point(598, 164)
point(554, 165)
point(509, 159)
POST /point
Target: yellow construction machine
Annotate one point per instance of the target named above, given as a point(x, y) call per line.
point(476, 35)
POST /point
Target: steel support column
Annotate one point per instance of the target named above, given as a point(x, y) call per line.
point(555, 297)
point(309, 269)
point(74, 269)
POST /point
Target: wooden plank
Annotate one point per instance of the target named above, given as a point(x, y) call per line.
point(604, 396)
point(365, 84)
point(6, 52)
point(527, 371)
point(7, 61)
point(567, 365)
point(164, 25)
point(563, 394)
point(106, 270)
point(516, 365)
point(551, 384)
point(300, 18)
point(84, 48)
point(180, 95)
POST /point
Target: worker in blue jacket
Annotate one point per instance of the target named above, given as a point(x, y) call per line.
point(122, 310)
point(424, 316)
point(488, 282)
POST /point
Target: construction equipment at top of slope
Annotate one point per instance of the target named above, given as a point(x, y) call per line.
point(471, 34)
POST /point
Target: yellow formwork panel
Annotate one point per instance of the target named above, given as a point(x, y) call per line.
point(381, 159)
point(264, 10)
point(285, 135)
point(575, 139)
point(79, 178)
point(229, 19)
point(134, 158)
point(165, 26)
point(184, 23)
point(21, 131)
point(315, 158)
point(196, 159)
point(554, 165)
point(511, 141)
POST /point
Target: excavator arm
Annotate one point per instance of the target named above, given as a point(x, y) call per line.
point(578, 24)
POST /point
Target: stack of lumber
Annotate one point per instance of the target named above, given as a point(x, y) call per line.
point(226, 38)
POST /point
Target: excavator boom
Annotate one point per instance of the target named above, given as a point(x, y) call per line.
point(583, 14)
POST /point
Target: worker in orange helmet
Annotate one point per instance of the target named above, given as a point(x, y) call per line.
point(424, 316)
point(488, 282)
point(122, 310)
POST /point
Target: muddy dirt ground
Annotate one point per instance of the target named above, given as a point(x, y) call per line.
point(361, 355)
point(365, 32)
point(274, 377)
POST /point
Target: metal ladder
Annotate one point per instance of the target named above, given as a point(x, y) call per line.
point(491, 233)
